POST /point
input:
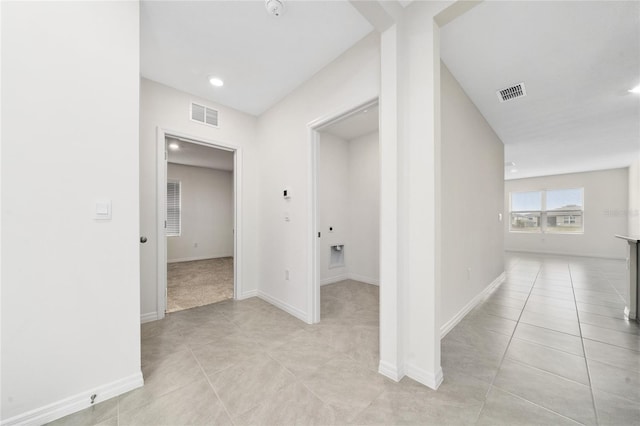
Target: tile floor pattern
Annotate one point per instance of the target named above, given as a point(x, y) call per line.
point(548, 347)
point(198, 283)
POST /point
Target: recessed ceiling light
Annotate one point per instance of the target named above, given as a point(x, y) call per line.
point(365, 111)
point(514, 170)
point(635, 89)
point(174, 146)
point(215, 81)
point(509, 164)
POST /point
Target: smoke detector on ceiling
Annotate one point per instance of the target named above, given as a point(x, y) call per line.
point(512, 92)
point(275, 7)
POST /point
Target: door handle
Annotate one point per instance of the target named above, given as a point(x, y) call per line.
point(143, 239)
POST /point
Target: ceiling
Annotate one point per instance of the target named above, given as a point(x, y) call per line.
point(261, 58)
point(359, 124)
point(193, 154)
point(577, 59)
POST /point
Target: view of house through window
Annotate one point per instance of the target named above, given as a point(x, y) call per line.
point(551, 211)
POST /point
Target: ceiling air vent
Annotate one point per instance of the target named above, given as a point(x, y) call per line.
point(204, 115)
point(512, 92)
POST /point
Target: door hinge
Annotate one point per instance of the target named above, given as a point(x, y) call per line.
point(319, 234)
point(165, 224)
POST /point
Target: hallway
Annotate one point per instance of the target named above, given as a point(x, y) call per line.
point(552, 341)
point(517, 359)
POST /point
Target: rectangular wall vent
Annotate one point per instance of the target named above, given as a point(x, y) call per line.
point(512, 92)
point(204, 115)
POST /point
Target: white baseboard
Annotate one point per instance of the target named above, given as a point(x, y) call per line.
point(557, 253)
point(191, 259)
point(148, 317)
point(302, 316)
point(335, 279)
point(75, 403)
point(394, 372)
point(432, 380)
point(363, 279)
point(247, 294)
point(448, 326)
point(350, 276)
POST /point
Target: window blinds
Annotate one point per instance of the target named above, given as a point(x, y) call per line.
point(173, 209)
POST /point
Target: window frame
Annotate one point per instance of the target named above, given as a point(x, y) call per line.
point(543, 213)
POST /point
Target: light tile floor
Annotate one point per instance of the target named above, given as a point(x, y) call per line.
point(549, 346)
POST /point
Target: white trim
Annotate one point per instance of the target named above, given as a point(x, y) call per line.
point(247, 295)
point(393, 372)
point(148, 317)
point(313, 259)
point(206, 257)
point(161, 216)
point(432, 380)
point(313, 277)
point(335, 279)
point(302, 316)
point(161, 178)
point(350, 276)
point(363, 279)
point(448, 326)
point(558, 253)
point(76, 403)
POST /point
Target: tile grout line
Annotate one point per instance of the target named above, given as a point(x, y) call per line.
point(538, 405)
point(593, 399)
point(533, 367)
point(504, 355)
point(226, 410)
point(546, 346)
point(301, 381)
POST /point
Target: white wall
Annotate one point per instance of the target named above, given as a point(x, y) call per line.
point(410, 222)
point(70, 284)
point(606, 195)
point(349, 202)
point(472, 164)
point(333, 204)
point(363, 252)
point(633, 224)
point(206, 214)
point(167, 108)
point(350, 80)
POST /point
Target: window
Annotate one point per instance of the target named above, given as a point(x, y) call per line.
point(173, 208)
point(558, 211)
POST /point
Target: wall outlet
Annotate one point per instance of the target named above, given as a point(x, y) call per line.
point(286, 274)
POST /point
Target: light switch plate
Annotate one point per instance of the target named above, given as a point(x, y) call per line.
point(103, 210)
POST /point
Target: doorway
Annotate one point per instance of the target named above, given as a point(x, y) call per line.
point(198, 206)
point(346, 173)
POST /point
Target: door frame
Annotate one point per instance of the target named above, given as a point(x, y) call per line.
point(315, 127)
point(161, 214)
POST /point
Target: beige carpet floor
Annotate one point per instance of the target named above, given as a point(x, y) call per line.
point(198, 283)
